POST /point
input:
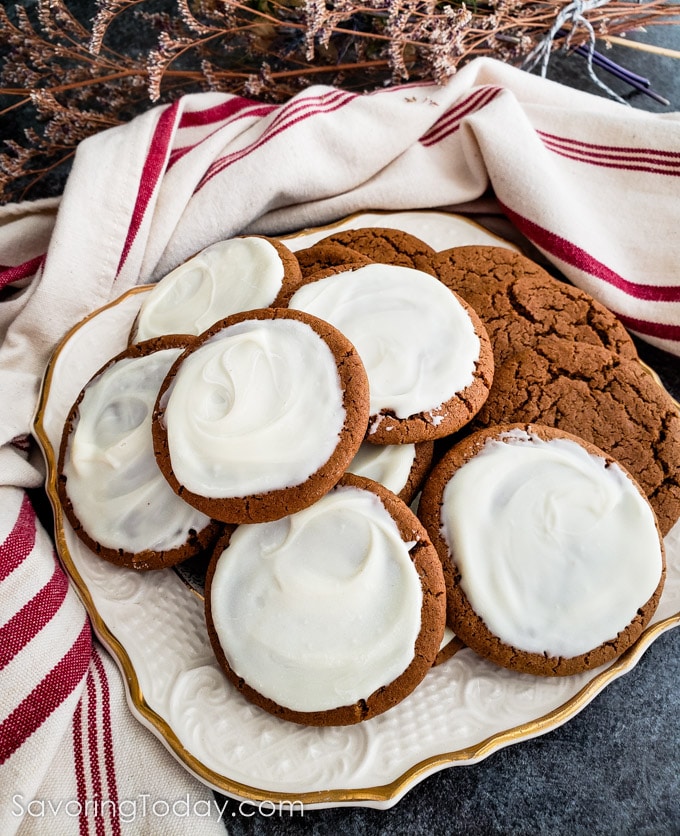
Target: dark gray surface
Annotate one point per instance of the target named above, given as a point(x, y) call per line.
point(614, 768)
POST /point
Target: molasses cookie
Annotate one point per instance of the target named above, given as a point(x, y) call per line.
point(428, 358)
point(261, 416)
point(109, 484)
point(552, 556)
point(605, 399)
point(386, 246)
point(330, 616)
point(518, 301)
point(401, 468)
point(238, 274)
point(321, 256)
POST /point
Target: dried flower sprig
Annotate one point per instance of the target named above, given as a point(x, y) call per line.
point(68, 78)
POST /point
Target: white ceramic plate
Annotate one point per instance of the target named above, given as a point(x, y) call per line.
point(153, 625)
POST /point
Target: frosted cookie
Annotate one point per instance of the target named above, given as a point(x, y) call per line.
point(518, 301)
point(235, 275)
point(553, 559)
point(401, 468)
point(428, 358)
point(387, 246)
point(109, 484)
point(330, 616)
point(601, 397)
point(261, 415)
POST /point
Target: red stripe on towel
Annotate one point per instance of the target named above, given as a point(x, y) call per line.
point(33, 616)
point(287, 118)
point(451, 121)
point(47, 696)
point(9, 275)
point(152, 170)
point(577, 257)
point(109, 761)
point(20, 541)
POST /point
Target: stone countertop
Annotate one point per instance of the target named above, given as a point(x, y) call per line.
point(613, 769)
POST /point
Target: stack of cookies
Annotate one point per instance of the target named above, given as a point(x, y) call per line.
point(371, 441)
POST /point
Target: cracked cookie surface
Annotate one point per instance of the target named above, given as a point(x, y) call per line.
point(325, 255)
point(386, 246)
point(603, 398)
point(519, 302)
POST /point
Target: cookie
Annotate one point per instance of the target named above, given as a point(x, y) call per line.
point(426, 353)
point(386, 246)
point(401, 468)
point(605, 399)
point(261, 415)
point(321, 256)
point(109, 484)
point(450, 645)
point(234, 275)
point(553, 560)
point(518, 301)
point(330, 616)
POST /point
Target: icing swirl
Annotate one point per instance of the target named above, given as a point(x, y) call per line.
point(114, 484)
point(320, 609)
point(235, 275)
point(257, 407)
point(556, 549)
point(416, 340)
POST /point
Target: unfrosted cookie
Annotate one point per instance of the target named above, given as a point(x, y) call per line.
point(110, 487)
point(552, 556)
point(234, 275)
point(601, 397)
point(427, 355)
point(387, 246)
point(327, 254)
point(330, 616)
point(261, 415)
point(519, 302)
point(401, 468)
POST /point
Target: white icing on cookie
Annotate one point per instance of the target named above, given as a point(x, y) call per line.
point(556, 550)
point(239, 274)
point(416, 340)
point(389, 464)
point(320, 609)
point(258, 407)
point(114, 484)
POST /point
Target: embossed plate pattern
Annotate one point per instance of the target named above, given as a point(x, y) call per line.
point(153, 626)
